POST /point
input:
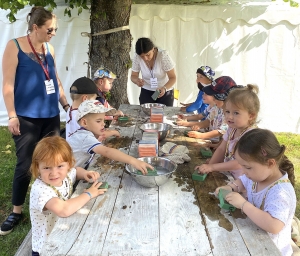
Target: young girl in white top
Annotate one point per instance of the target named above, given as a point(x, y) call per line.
point(241, 110)
point(53, 169)
point(268, 180)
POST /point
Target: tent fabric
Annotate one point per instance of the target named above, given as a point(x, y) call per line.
point(252, 43)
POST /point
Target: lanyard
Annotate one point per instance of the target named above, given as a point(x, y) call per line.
point(148, 65)
point(254, 186)
point(228, 154)
point(45, 69)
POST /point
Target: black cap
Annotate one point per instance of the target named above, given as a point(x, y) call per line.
point(84, 85)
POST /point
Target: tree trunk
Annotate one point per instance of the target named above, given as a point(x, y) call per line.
point(112, 50)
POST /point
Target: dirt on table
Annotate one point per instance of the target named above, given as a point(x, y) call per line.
point(117, 143)
point(208, 204)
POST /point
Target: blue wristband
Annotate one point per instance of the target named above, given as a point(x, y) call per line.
point(88, 193)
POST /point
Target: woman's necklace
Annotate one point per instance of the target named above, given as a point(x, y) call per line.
point(68, 195)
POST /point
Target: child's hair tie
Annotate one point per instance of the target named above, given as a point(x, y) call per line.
point(263, 152)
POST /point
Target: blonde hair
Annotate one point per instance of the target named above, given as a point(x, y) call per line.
point(246, 98)
point(52, 151)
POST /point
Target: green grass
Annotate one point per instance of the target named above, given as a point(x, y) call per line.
point(10, 243)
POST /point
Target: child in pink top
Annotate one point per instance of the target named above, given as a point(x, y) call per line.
point(241, 109)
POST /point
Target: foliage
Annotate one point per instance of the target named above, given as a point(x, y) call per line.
point(15, 5)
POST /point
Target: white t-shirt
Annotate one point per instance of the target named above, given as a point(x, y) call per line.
point(71, 122)
point(280, 203)
point(42, 222)
point(82, 143)
point(163, 64)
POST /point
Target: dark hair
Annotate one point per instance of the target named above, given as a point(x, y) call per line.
point(260, 145)
point(39, 16)
point(143, 45)
point(246, 98)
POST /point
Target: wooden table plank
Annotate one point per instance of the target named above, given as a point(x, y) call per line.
point(67, 231)
point(134, 228)
point(178, 218)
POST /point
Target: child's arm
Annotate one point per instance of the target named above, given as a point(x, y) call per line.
point(204, 135)
point(261, 218)
point(119, 113)
point(220, 167)
point(82, 174)
point(66, 208)
point(217, 157)
point(117, 155)
point(108, 133)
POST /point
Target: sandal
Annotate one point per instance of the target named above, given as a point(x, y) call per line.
point(11, 221)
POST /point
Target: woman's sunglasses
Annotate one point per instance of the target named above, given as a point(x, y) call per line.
point(50, 30)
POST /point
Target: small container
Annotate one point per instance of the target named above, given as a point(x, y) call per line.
point(150, 172)
point(223, 203)
point(104, 185)
point(123, 119)
point(199, 176)
point(185, 133)
point(206, 152)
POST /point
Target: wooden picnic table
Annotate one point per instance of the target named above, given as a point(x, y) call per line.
point(178, 218)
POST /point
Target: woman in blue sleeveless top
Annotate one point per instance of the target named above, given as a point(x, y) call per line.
point(31, 91)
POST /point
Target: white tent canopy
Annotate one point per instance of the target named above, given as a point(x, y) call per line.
point(253, 43)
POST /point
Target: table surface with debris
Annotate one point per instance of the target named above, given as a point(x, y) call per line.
point(177, 218)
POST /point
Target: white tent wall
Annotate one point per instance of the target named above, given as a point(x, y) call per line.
point(251, 43)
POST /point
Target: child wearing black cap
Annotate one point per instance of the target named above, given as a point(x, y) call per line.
point(216, 119)
point(82, 89)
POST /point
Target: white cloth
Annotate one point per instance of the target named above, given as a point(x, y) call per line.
point(71, 122)
point(82, 143)
point(280, 203)
point(42, 222)
point(176, 153)
point(163, 64)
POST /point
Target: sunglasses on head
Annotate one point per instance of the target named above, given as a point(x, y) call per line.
point(50, 30)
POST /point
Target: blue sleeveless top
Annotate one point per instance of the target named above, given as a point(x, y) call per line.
point(31, 98)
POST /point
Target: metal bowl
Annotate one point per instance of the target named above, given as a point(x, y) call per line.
point(147, 107)
point(163, 166)
point(162, 128)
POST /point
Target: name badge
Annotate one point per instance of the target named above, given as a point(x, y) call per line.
point(153, 82)
point(49, 86)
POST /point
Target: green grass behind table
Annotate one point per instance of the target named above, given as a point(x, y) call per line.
point(10, 243)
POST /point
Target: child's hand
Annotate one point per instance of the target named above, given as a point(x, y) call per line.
point(197, 135)
point(108, 133)
point(182, 122)
point(91, 175)
point(204, 168)
point(141, 166)
point(119, 113)
point(235, 199)
point(94, 189)
point(195, 127)
point(226, 187)
point(181, 116)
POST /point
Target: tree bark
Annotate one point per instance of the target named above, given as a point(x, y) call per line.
point(112, 50)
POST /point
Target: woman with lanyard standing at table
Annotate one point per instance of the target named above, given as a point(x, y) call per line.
point(31, 91)
point(158, 73)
